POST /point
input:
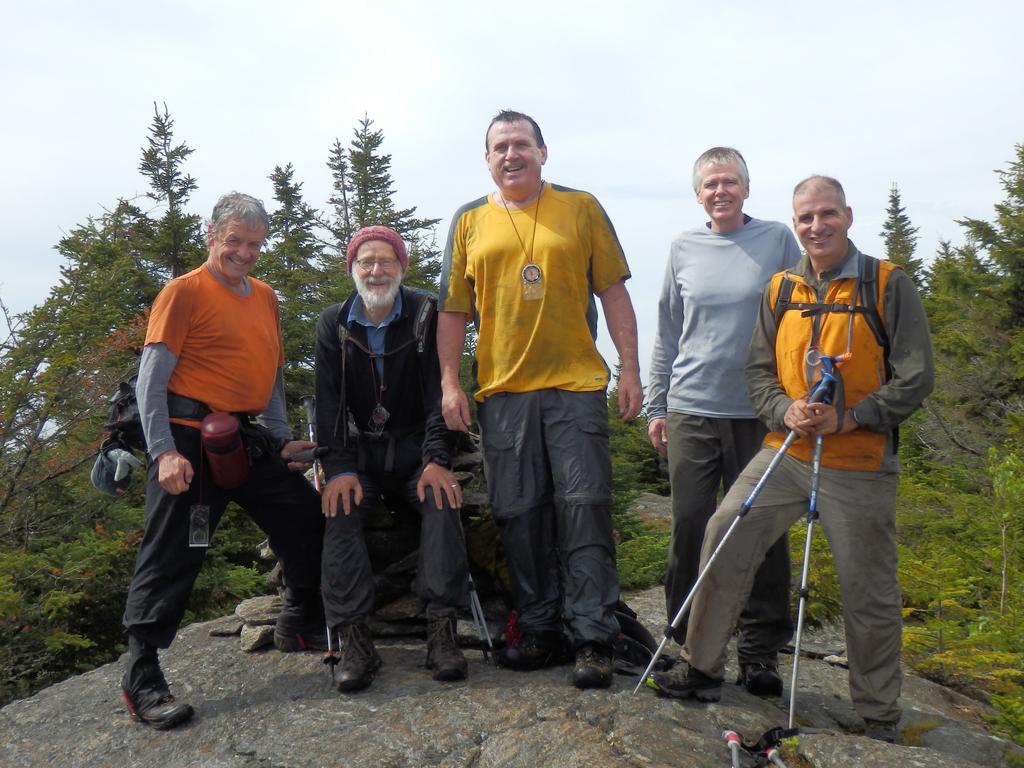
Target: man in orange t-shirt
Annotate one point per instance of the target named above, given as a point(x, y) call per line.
point(214, 345)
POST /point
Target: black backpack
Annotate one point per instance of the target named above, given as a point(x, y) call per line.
point(124, 424)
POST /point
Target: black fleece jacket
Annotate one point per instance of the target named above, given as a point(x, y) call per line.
point(410, 389)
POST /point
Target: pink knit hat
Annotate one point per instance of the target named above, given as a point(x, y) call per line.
point(382, 233)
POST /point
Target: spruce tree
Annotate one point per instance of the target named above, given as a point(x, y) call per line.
point(178, 245)
point(901, 238)
point(290, 265)
point(363, 194)
point(1003, 239)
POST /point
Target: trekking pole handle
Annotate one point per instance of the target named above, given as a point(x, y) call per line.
point(774, 757)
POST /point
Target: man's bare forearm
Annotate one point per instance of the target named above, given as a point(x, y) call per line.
point(451, 339)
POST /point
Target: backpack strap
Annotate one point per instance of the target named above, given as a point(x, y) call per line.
point(425, 307)
point(782, 301)
point(426, 310)
point(867, 305)
point(869, 301)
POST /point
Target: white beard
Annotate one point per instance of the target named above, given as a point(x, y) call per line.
point(377, 297)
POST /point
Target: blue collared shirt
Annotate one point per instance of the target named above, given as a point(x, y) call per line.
point(375, 332)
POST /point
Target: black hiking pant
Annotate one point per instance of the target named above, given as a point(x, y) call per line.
point(281, 502)
point(441, 580)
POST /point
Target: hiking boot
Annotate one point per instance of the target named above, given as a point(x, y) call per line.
point(593, 666)
point(157, 708)
point(882, 730)
point(443, 653)
point(536, 650)
point(145, 690)
point(760, 679)
point(300, 623)
point(358, 660)
point(686, 682)
point(309, 638)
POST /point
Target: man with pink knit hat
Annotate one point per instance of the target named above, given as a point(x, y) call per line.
point(378, 392)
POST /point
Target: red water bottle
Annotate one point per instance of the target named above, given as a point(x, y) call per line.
point(225, 453)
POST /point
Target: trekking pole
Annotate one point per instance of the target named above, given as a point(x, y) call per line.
point(812, 515)
point(479, 619)
point(733, 740)
point(821, 392)
point(774, 757)
point(826, 384)
point(309, 406)
point(818, 394)
point(475, 607)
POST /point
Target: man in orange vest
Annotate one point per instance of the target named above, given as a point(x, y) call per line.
point(866, 313)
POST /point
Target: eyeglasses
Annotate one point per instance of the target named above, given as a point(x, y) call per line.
point(367, 265)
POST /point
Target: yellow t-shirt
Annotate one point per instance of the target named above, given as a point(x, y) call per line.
point(228, 346)
point(533, 333)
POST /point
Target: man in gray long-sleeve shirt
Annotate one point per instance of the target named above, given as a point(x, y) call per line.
point(699, 412)
point(213, 343)
point(867, 314)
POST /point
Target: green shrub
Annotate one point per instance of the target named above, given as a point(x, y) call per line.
point(642, 560)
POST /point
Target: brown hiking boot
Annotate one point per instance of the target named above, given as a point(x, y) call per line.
point(443, 653)
point(359, 661)
point(685, 682)
point(593, 666)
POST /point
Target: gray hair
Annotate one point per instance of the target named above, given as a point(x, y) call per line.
point(816, 182)
point(236, 206)
point(720, 156)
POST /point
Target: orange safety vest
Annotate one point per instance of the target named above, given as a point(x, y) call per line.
point(841, 322)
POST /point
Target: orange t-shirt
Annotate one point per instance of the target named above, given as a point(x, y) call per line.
point(228, 346)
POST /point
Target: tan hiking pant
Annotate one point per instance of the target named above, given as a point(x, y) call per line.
point(857, 513)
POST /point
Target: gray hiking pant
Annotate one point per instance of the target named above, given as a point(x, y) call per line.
point(857, 511)
point(705, 454)
point(441, 568)
point(548, 468)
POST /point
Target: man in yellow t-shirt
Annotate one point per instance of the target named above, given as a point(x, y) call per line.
point(213, 344)
point(524, 264)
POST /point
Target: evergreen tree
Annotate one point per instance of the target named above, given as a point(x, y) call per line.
point(901, 238)
point(290, 266)
point(1003, 239)
point(363, 194)
point(179, 244)
point(65, 550)
point(339, 223)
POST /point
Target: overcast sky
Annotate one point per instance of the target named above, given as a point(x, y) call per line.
point(924, 94)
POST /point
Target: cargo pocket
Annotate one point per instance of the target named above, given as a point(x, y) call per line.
point(581, 460)
point(503, 470)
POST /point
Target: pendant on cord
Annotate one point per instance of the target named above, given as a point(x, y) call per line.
point(533, 283)
point(378, 418)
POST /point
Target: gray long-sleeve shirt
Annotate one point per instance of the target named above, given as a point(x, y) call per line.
point(155, 370)
point(910, 356)
point(706, 315)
